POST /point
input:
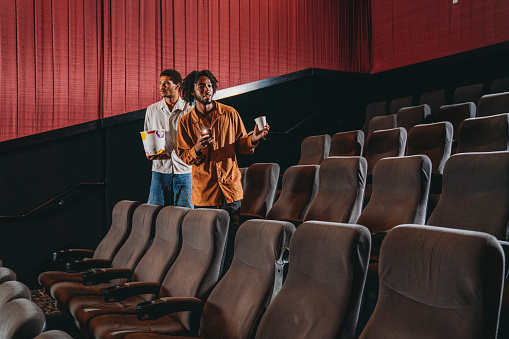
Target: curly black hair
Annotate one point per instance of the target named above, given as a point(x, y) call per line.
point(187, 88)
point(174, 76)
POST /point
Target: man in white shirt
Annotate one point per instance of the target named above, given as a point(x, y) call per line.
point(171, 177)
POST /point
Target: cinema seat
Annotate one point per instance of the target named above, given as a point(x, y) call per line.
point(314, 149)
point(152, 268)
point(6, 274)
point(300, 185)
point(347, 144)
point(499, 85)
point(469, 93)
point(21, 318)
point(127, 257)
point(382, 122)
point(341, 182)
point(437, 283)
point(374, 109)
point(234, 306)
point(398, 103)
point(382, 144)
point(435, 141)
point(120, 228)
point(260, 190)
point(456, 114)
point(484, 134)
point(408, 117)
point(434, 99)
point(321, 295)
point(491, 104)
point(11, 290)
point(53, 334)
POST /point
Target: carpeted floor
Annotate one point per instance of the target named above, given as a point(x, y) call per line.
point(55, 320)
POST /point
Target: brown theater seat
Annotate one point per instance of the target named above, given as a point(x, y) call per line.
point(456, 114)
point(127, 257)
point(300, 184)
point(437, 283)
point(234, 306)
point(11, 290)
point(152, 268)
point(119, 230)
point(484, 134)
point(260, 190)
point(347, 144)
point(434, 99)
point(373, 109)
point(340, 190)
point(491, 104)
point(398, 103)
point(321, 295)
point(383, 122)
point(21, 318)
point(469, 93)
point(408, 117)
point(314, 149)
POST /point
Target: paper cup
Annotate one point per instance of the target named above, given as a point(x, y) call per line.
point(261, 122)
point(153, 141)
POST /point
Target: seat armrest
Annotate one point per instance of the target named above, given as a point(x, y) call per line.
point(505, 247)
point(130, 289)
point(72, 254)
point(160, 307)
point(102, 275)
point(87, 264)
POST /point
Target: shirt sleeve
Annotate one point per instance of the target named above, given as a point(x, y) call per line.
point(185, 145)
point(243, 144)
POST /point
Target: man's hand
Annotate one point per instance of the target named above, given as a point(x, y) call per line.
point(257, 134)
point(161, 156)
point(203, 142)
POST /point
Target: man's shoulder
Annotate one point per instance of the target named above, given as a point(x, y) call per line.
point(225, 109)
point(155, 106)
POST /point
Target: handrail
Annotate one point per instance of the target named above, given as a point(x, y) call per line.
point(56, 197)
point(297, 125)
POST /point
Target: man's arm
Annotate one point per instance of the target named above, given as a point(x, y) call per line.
point(246, 143)
point(190, 152)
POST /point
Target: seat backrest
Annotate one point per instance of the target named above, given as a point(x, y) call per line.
point(433, 140)
point(408, 117)
point(314, 149)
point(455, 114)
point(437, 283)
point(11, 290)
point(166, 245)
point(484, 134)
point(400, 193)
point(260, 191)
point(197, 268)
point(53, 334)
point(398, 103)
point(341, 190)
point(374, 109)
point(475, 194)
point(470, 93)
point(347, 144)
point(383, 122)
point(321, 295)
point(121, 221)
point(237, 303)
point(491, 104)
point(385, 143)
point(300, 184)
point(142, 232)
point(21, 318)
point(6, 274)
point(434, 99)
point(499, 85)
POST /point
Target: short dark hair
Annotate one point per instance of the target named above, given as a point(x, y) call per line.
point(174, 76)
point(187, 88)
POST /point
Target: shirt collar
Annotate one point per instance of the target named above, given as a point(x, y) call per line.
point(195, 116)
point(179, 105)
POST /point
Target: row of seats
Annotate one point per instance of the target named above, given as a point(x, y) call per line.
point(19, 316)
point(435, 100)
point(321, 295)
point(409, 116)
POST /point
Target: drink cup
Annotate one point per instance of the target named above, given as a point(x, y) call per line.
point(261, 122)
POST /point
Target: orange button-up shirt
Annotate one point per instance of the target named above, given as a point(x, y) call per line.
point(215, 171)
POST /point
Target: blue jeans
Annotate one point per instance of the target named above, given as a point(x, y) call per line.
point(171, 189)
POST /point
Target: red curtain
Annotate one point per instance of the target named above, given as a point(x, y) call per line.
point(65, 62)
point(407, 32)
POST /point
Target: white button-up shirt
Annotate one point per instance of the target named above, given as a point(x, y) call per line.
point(158, 116)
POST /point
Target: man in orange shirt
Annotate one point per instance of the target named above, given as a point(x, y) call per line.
point(208, 137)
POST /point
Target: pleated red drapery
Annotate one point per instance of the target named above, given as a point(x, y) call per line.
point(65, 62)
